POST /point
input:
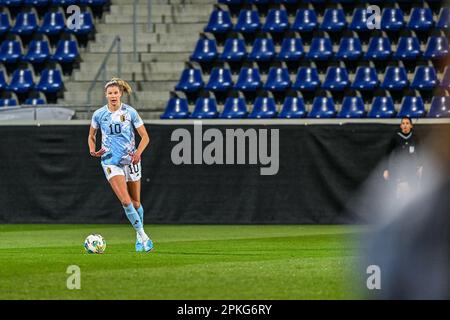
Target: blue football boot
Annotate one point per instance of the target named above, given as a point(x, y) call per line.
point(148, 245)
point(139, 246)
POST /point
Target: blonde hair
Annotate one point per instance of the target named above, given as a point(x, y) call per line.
point(122, 84)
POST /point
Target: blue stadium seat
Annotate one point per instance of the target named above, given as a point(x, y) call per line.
point(176, 108)
point(322, 107)
point(291, 49)
point(263, 108)
point(333, 20)
point(66, 51)
point(3, 79)
point(51, 81)
point(408, 48)
point(307, 79)
point(38, 51)
point(321, 49)
point(349, 49)
point(64, 2)
point(219, 22)
point(305, 20)
point(412, 107)
point(93, 3)
point(379, 48)
point(366, 78)
point(336, 79)
point(285, 1)
point(205, 108)
point(231, 1)
point(257, 2)
point(26, 23)
point(293, 108)
point(276, 21)
point(190, 80)
point(86, 24)
point(219, 80)
point(205, 50)
point(445, 82)
point(5, 23)
point(234, 108)
point(263, 50)
point(234, 50)
point(36, 3)
point(53, 23)
point(420, 19)
point(248, 21)
point(12, 3)
point(352, 107)
point(444, 19)
point(359, 20)
point(395, 78)
point(22, 81)
point(277, 79)
point(36, 98)
point(10, 51)
point(440, 107)
point(392, 19)
point(249, 79)
point(8, 102)
point(382, 107)
point(436, 48)
point(424, 78)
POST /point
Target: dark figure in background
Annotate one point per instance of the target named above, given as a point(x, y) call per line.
point(405, 165)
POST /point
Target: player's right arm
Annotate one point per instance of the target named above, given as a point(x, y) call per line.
point(92, 139)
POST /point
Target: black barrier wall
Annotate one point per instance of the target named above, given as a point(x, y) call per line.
point(48, 176)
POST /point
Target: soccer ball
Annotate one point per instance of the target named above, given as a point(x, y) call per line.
point(95, 243)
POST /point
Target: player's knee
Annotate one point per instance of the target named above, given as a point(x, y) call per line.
point(126, 202)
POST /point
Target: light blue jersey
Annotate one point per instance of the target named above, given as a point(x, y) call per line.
point(117, 133)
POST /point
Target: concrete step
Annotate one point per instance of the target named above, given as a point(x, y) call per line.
point(179, 28)
point(112, 19)
point(156, 67)
point(84, 86)
point(163, 57)
point(132, 76)
point(160, 28)
point(163, 9)
point(125, 48)
point(172, 47)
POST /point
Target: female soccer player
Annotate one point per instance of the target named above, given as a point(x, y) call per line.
point(120, 159)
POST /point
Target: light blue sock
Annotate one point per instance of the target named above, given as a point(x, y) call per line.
point(140, 212)
point(133, 217)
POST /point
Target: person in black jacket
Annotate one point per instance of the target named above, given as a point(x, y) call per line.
point(404, 166)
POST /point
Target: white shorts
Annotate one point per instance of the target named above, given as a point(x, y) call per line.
point(132, 172)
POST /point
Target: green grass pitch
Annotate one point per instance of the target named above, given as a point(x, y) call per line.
point(188, 262)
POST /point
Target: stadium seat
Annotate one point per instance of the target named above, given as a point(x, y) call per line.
point(305, 20)
point(395, 78)
point(263, 50)
point(444, 19)
point(440, 107)
point(86, 24)
point(5, 23)
point(66, 51)
point(205, 108)
point(359, 20)
point(382, 107)
point(333, 20)
point(219, 80)
point(248, 21)
point(176, 108)
point(291, 49)
point(277, 79)
point(445, 82)
point(36, 3)
point(205, 50)
point(26, 23)
point(320, 49)
point(322, 107)
point(51, 81)
point(36, 98)
point(352, 107)
point(293, 108)
point(349, 49)
point(420, 19)
point(22, 81)
point(276, 21)
point(53, 23)
point(436, 48)
point(234, 50)
point(379, 48)
point(219, 21)
point(38, 51)
point(64, 2)
point(408, 48)
point(93, 3)
point(8, 102)
point(424, 78)
point(231, 1)
point(249, 79)
point(307, 79)
point(12, 3)
point(366, 78)
point(190, 80)
point(10, 51)
point(263, 108)
point(234, 108)
point(336, 79)
point(392, 19)
point(3, 79)
point(412, 107)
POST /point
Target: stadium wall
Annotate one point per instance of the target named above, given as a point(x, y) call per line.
point(48, 176)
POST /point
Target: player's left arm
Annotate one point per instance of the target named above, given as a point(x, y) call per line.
point(145, 140)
